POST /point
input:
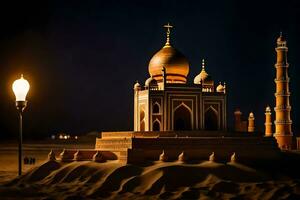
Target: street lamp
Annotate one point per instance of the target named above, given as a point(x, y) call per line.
point(20, 88)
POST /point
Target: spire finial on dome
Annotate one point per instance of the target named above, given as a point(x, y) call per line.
point(168, 27)
point(203, 64)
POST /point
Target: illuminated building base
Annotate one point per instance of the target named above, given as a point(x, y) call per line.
point(134, 147)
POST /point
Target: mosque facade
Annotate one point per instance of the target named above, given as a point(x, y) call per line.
point(167, 102)
point(178, 120)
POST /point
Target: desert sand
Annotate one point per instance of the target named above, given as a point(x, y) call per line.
point(158, 180)
point(152, 180)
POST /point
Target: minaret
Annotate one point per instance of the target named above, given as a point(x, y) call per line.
point(251, 126)
point(268, 122)
point(283, 122)
point(137, 87)
point(237, 120)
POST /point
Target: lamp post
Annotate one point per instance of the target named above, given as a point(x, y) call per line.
point(20, 88)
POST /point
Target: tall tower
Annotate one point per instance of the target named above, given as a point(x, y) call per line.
point(283, 122)
point(268, 122)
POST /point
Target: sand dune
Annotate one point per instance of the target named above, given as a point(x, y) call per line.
point(158, 180)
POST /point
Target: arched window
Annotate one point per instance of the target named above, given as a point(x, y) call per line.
point(182, 118)
point(142, 115)
point(156, 108)
point(142, 121)
point(156, 126)
point(211, 119)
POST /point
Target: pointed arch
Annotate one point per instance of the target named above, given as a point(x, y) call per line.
point(156, 108)
point(156, 126)
point(211, 119)
point(182, 118)
point(142, 114)
point(142, 120)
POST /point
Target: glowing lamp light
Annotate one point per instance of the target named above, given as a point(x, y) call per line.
point(20, 88)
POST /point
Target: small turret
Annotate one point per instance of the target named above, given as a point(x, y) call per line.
point(182, 157)
point(137, 86)
point(78, 156)
point(233, 157)
point(251, 126)
point(268, 122)
point(51, 156)
point(220, 88)
point(212, 157)
point(163, 157)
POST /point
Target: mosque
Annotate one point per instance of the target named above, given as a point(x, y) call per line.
point(175, 119)
point(167, 102)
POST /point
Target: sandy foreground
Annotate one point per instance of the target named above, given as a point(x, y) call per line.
point(38, 150)
point(155, 180)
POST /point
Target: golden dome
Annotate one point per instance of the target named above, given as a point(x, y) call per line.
point(203, 76)
point(268, 109)
point(220, 88)
point(251, 115)
point(175, 63)
point(281, 38)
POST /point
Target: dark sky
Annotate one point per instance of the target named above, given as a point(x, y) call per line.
point(82, 59)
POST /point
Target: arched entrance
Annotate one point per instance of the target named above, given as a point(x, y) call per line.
point(156, 126)
point(211, 119)
point(182, 118)
point(156, 108)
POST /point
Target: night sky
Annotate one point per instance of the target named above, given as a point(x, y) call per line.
point(82, 59)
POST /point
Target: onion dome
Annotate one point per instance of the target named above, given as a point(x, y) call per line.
point(220, 87)
point(281, 40)
point(174, 62)
point(268, 109)
point(137, 86)
point(150, 82)
point(251, 115)
point(203, 76)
